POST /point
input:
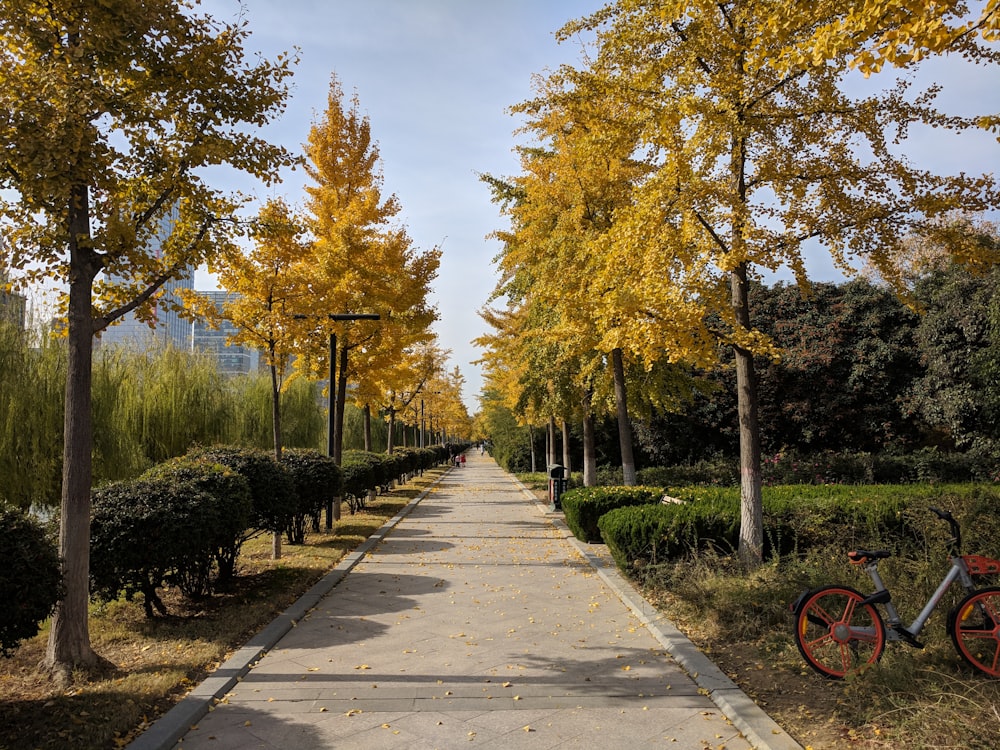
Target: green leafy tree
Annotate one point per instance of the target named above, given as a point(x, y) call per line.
point(110, 113)
point(847, 357)
point(957, 395)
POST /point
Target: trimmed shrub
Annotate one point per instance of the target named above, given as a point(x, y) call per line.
point(650, 534)
point(148, 532)
point(271, 488)
point(363, 472)
point(231, 506)
point(585, 505)
point(317, 480)
point(790, 467)
point(392, 469)
point(797, 518)
point(30, 578)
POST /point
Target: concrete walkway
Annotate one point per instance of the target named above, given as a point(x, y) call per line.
point(473, 621)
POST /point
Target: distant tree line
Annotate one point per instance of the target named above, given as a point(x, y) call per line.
point(859, 371)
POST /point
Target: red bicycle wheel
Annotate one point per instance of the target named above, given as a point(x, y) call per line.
point(975, 630)
point(836, 633)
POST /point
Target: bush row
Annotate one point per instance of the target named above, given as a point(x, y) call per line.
point(927, 465)
point(184, 522)
point(366, 472)
point(796, 519)
point(30, 578)
point(583, 506)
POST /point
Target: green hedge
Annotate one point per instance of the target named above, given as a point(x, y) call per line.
point(796, 518)
point(271, 486)
point(30, 578)
point(149, 532)
point(363, 473)
point(231, 508)
point(926, 465)
point(317, 480)
point(585, 505)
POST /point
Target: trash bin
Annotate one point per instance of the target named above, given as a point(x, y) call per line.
point(558, 482)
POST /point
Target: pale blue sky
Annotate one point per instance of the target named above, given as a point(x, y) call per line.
point(436, 78)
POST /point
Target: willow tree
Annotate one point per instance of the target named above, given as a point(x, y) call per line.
point(108, 114)
point(753, 163)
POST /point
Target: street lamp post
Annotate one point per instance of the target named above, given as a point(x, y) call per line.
point(331, 434)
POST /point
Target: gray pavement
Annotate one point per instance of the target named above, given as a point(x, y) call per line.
point(473, 619)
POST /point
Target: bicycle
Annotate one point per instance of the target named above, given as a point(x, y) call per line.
point(840, 631)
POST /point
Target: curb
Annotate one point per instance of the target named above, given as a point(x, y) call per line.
point(759, 729)
point(165, 732)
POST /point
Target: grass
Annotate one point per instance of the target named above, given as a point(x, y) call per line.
point(913, 698)
point(158, 660)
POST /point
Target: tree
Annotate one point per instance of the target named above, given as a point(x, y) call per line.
point(361, 261)
point(268, 286)
point(753, 163)
point(561, 208)
point(110, 112)
point(895, 33)
point(957, 395)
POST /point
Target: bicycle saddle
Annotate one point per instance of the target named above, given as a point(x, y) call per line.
point(863, 556)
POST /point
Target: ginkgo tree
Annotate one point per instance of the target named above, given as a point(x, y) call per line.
point(362, 260)
point(570, 341)
point(109, 113)
point(267, 290)
point(894, 32)
point(753, 163)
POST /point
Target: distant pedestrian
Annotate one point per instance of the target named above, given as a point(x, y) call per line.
point(463, 460)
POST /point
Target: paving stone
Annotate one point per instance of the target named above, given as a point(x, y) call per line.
point(475, 622)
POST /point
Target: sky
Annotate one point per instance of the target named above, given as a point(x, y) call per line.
point(436, 79)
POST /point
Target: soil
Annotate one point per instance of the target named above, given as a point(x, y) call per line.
point(803, 704)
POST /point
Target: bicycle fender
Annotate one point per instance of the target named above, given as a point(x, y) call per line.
point(796, 606)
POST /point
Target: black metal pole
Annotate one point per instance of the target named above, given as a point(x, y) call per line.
point(331, 422)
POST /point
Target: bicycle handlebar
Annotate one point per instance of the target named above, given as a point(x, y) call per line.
point(955, 544)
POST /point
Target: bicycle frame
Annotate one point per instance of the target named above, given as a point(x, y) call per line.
point(959, 571)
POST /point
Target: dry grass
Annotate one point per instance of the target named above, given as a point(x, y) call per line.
point(158, 660)
point(917, 699)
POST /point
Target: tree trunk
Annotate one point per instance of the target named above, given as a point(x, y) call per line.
point(751, 545)
point(624, 424)
point(366, 416)
point(531, 447)
point(566, 448)
point(589, 441)
point(276, 434)
point(392, 429)
point(69, 638)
